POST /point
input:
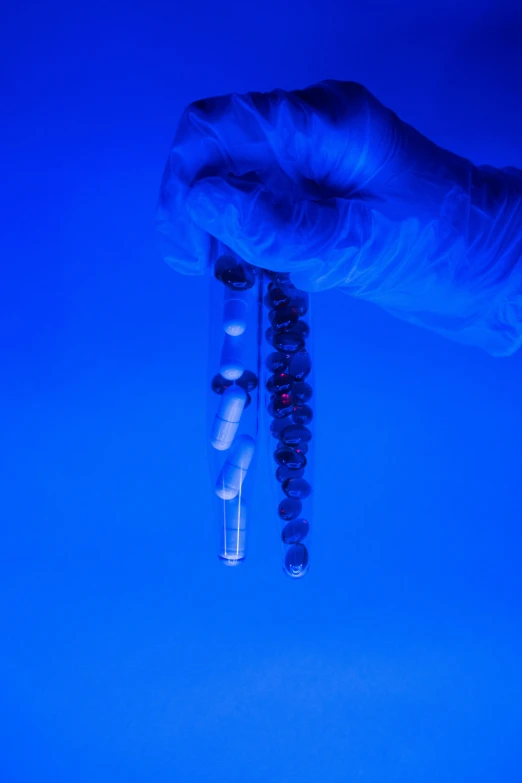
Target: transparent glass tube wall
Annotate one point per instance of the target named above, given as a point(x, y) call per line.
point(287, 381)
point(260, 339)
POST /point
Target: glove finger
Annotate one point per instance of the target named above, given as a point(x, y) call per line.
point(216, 136)
point(316, 241)
point(324, 141)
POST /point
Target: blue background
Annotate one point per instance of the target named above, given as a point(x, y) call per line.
point(128, 653)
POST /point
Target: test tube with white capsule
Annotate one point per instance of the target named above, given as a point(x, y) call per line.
point(235, 301)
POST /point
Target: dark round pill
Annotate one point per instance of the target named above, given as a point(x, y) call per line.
point(276, 362)
point(248, 381)
point(295, 435)
point(299, 300)
point(302, 328)
point(296, 560)
point(275, 297)
point(277, 426)
point(289, 508)
point(297, 488)
point(283, 320)
point(219, 384)
point(292, 459)
point(279, 383)
point(295, 531)
point(281, 406)
point(300, 365)
point(288, 342)
point(235, 275)
point(283, 473)
point(301, 391)
point(302, 414)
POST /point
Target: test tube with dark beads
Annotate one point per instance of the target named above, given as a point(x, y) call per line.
point(233, 409)
point(288, 389)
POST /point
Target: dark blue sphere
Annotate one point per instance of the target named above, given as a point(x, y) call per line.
point(289, 508)
point(248, 381)
point(288, 342)
point(277, 362)
point(219, 384)
point(283, 473)
point(297, 488)
point(281, 406)
point(293, 460)
point(302, 414)
point(279, 383)
point(295, 435)
point(300, 365)
point(296, 560)
point(295, 531)
point(239, 276)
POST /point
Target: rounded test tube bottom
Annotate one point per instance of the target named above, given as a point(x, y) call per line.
point(232, 535)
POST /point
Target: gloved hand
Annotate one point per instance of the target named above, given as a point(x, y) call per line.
point(329, 185)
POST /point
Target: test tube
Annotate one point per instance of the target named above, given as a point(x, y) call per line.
point(288, 385)
point(233, 399)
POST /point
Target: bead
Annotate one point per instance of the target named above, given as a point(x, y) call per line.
point(276, 297)
point(289, 508)
point(288, 342)
point(302, 328)
point(280, 383)
point(302, 414)
point(292, 459)
point(283, 320)
point(300, 365)
point(248, 381)
point(283, 473)
point(219, 384)
point(277, 426)
point(295, 531)
point(276, 362)
point(296, 560)
point(299, 300)
point(235, 275)
point(295, 435)
point(281, 406)
point(301, 391)
point(297, 488)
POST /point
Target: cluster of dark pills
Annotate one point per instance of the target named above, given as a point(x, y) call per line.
point(289, 364)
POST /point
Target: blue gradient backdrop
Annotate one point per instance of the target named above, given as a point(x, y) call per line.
point(127, 652)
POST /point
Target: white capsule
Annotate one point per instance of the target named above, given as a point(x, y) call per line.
point(234, 313)
point(231, 366)
point(227, 417)
point(232, 535)
point(233, 472)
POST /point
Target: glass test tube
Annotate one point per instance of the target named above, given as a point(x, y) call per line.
point(288, 387)
point(233, 405)
point(260, 324)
